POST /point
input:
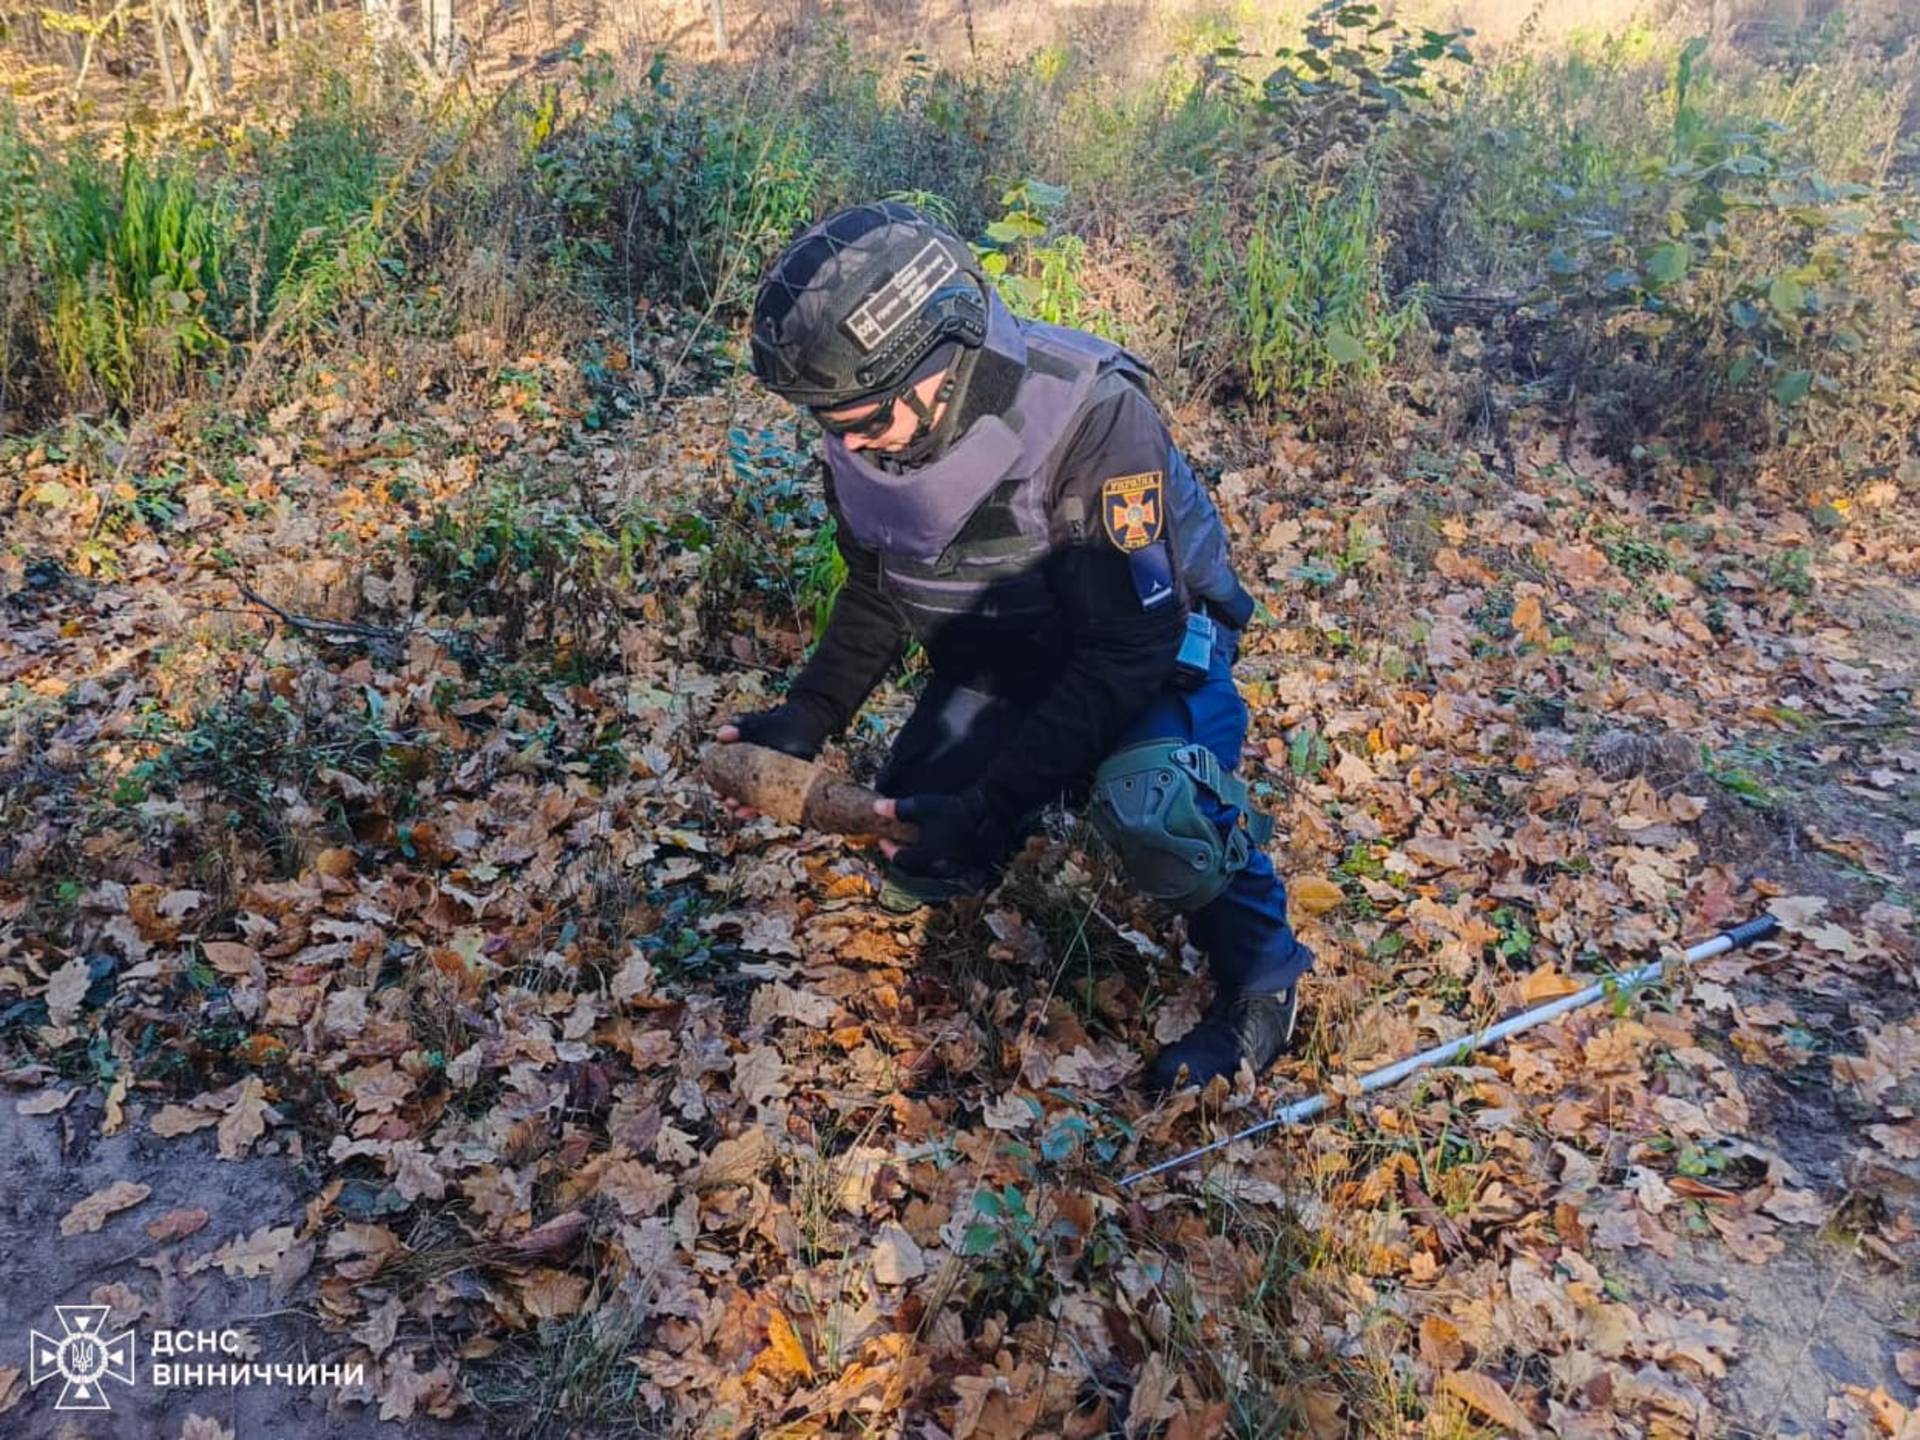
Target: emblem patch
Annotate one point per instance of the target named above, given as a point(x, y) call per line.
point(1132, 510)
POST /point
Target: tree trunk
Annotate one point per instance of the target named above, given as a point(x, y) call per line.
point(439, 22)
point(220, 39)
point(199, 85)
point(163, 52)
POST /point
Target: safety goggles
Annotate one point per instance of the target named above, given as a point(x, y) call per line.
point(864, 427)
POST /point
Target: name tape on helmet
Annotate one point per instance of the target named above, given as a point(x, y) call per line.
point(884, 311)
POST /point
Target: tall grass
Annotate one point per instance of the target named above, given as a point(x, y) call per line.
point(1308, 294)
point(136, 261)
point(1708, 256)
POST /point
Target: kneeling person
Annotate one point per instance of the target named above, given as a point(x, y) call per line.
point(1005, 492)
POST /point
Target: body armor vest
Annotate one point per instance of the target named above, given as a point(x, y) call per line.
point(966, 533)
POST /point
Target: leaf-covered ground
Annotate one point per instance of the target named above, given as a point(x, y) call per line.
point(351, 838)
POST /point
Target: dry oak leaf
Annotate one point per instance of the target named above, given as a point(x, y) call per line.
point(1530, 622)
point(760, 1075)
point(402, 1388)
point(1796, 1207)
point(897, 1258)
point(10, 1387)
point(1481, 1394)
point(786, 1353)
point(172, 1120)
point(230, 957)
point(737, 1161)
point(246, 1256)
point(200, 1427)
point(784, 1002)
point(1749, 1237)
point(1312, 895)
point(377, 1089)
point(91, 1213)
point(45, 1103)
point(1009, 1112)
point(66, 989)
point(1441, 1348)
point(1152, 1400)
point(552, 1294)
point(176, 1225)
point(1001, 1404)
point(636, 1188)
point(1547, 983)
point(1901, 1141)
point(246, 1120)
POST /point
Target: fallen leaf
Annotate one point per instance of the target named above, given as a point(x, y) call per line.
point(1749, 1237)
point(636, 1188)
point(1901, 1141)
point(1529, 621)
point(1796, 1207)
point(45, 1103)
point(896, 1258)
point(91, 1213)
point(1009, 1112)
point(1796, 912)
point(1481, 1394)
point(10, 1387)
point(230, 957)
point(737, 1161)
point(199, 1427)
point(788, 1354)
point(249, 1255)
point(66, 989)
point(114, 1119)
point(1152, 1400)
point(246, 1121)
point(1907, 1363)
point(1441, 1348)
point(551, 1294)
point(176, 1225)
point(172, 1120)
point(1546, 983)
point(1314, 896)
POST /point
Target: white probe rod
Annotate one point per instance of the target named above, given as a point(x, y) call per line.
point(1454, 1052)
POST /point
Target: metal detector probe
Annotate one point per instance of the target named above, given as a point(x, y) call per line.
point(1454, 1052)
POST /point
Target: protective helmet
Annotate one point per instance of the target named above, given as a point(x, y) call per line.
point(853, 305)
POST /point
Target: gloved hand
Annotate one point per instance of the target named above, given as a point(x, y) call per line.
point(960, 837)
point(798, 727)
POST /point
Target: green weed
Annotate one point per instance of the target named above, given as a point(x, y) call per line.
point(1309, 297)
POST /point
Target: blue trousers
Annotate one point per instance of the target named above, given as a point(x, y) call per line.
point(955, 731)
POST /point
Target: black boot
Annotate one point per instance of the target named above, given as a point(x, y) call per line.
point(1255, 1027)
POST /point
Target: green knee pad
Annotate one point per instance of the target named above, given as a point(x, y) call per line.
point(1146, 805)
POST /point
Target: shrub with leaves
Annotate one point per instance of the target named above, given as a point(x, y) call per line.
point(1730, 259)
point(1308, 294)
point(134, 259)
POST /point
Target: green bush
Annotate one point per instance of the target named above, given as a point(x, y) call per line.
point(1308, 292)
point(1710, 294)
point(672, 198)
point(1038, 277)
point(319, 187)
point(20, 228)
point(135, 260)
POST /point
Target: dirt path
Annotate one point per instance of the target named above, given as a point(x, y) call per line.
point(52, 1164)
